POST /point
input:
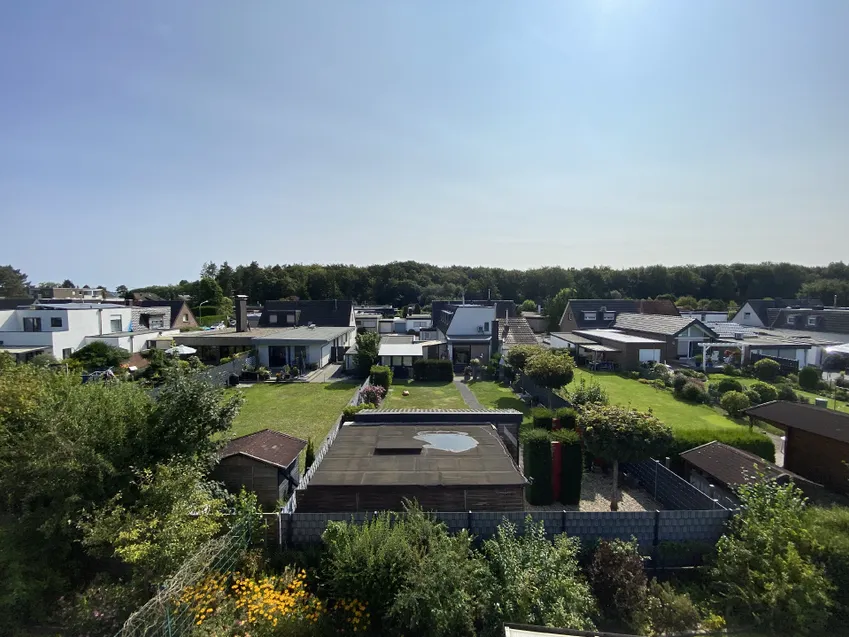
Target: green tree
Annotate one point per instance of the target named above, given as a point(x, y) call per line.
point(518, 356)
point(622, 434)
point(67, 283)
point(309, 458)
point(687, 303)
point(619, 582)
point(762, 573)
point(528, 305)
point(556, 306)
point(122, 291)
point(13, 282)
point(368, 344)
point(209, 292)
point(99, 355)
point(551, 370)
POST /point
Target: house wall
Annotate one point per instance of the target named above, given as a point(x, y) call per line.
point(260, 478)
point(160, 315)
point(467, 320)
point(184, 318)
point(567, 321)
point(817, 458)
point(8, 320)
point(747, 316)
point(385, 326)
point(418, 324)
point(539, 324)
point(135, 343)
point(800, 355)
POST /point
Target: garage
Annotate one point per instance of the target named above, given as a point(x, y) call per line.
point(649, 355)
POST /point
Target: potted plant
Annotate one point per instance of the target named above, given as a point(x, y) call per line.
point(279, 377)
point(295, 372)
point(476, 367)
point(286, 371)
point(467, 373)
point(263, 374)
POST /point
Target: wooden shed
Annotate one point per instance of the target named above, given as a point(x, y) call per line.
point(265, 462)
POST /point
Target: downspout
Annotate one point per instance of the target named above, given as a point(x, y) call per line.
point(100, 321)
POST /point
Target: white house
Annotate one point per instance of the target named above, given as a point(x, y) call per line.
point(418, 322)
point(467, 329)
point(303, 347)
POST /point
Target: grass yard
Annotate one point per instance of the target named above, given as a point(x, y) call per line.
point(493, 395)
point(841, 406)
point(424, 395)
point(304, 410)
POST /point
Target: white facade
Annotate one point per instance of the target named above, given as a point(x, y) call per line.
point(418, 324)
point(135, 342)
point(470, 320)
point(747, 316)
point(688, 340)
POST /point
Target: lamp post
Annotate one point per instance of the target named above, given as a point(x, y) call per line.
point(200, 309)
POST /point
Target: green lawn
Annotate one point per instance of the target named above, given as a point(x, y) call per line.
point(493, 395)
point(304, 410)
point(424, 396)
point(841, 406)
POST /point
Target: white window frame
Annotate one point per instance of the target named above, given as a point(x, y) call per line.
point(610, 316)
point(112, 319)
point(791, 320)
point(185, 318)
point(812, 321)
point(590, 316)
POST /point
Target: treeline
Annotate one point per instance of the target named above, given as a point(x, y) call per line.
point(405, 282)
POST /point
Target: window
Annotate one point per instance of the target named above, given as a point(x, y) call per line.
point(66, 353)
point(55, 321)
point(157, 323)
point(272, 318)
point(115, 323)
point(486, 326)
point(185, 318)
point(746, 314)
point(609, 316)
point(290, 319)
point(32, 324)
point(571, 316)
point(791, 320)
point(812, 321)
point(589, 316)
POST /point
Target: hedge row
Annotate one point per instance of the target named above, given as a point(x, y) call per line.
point(751, 441)
point(381, 375)
point(433, 370)
point(571, 465)
point(544, 418)
point(538, 466)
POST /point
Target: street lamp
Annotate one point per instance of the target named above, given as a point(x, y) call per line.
point(200, 309)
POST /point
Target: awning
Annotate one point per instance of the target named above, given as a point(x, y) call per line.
point(592, 347)
point(400, 349)
point(180, 350)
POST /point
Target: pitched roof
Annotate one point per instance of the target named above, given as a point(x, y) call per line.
point(175, 306)
point(825, 320)
point(659, 324)
point(733, 467)
point(271, 447)
point(761, 307)
point(515, 330)
point(579, 306)
point(817, 420)
point(14, 303)
point(329, 313)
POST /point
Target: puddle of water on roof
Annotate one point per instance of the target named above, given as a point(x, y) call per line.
point(453, 441)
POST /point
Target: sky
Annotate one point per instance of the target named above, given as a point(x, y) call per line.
point(140, 139)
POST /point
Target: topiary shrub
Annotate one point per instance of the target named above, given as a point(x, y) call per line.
point(728, 384)
point(678, 382)
point(785, 392)
point(571, 467)
point(537, 451)
point(767, 370)
point(693, 392)
point(618, 580)
point(765, 392)
point(542, 417)
point(809, 378)
point(734, 402)
point(568, 417)
point(381, 375)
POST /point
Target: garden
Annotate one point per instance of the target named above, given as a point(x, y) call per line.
point(414, 394)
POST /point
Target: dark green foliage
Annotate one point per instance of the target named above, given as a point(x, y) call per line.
point(382, 376)
point(537, 450)
point(678, 382)
point(751, 441)
point(433, 370)
point(542, 417)
point(518, 356)
point(99, 355)
point(729, 384)
point(765, 392)
point(309, 458)
point(586, 393)
point(349, 411)
point(572, 465)
point(693, 392)
point(618, 580)
point(753, 396)
point(767, 370)
point(669, 612)
point(551, 370)
point(730, 370)
point(528, 305)
point(829, 528)
point(785, 392)
point(734, 402)
point(809, 378)
point(368, 344)
point(568, 417)
point(224, 360)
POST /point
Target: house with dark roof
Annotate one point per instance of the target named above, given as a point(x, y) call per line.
point(587, 314)
point(755, 312)
point(832, 321)
point(469, 329)
point(329, 313)
point(682, 335)
point(719, 469)
point(816, 440)
point(265, 462)
point(179, 313)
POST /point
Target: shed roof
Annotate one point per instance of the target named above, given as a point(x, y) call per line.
point(268, 446)
point(817, 420)
point(733, 467)
point(659, 324)
point(304, 335)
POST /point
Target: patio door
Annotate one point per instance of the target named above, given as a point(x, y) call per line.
point(462, 354)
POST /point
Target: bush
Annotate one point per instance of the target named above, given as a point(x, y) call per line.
point(618, 580)
point(767, 370)
point(518, 356)
point(785, 392)
point(99, 355)
point(734, 402)
point(225, 359)
point(263, 373)
point(728, 384)
point(739, 438)
point(678, 382)
point(537, 449)
point(803, 399)
point(586, 394)
point(349, 411)
point(433, 370)
point(658, 383)
point(694, 392)
point(753, 396)
point(382, 376)
point(571, 465)
point(568, 417)
point(809, 377)
point(634, 375)
point(542, 417)
point(829, 528)
point(730, 370)
point(765, 392)
point(373, 394)
point(668, 612)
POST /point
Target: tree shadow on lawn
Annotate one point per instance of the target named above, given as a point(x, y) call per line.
point(512, 403)
point(342, 385)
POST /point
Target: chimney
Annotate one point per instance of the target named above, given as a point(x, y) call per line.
point(241, 313)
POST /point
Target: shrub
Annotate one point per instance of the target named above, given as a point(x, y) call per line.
point(785, 392)
point(634, 375)
point(809, 377)
point(225, 359)
point(586, 394)
point(739, 438)
point(571, 465)
point(753, 396)
point(309, 458)
point(803, 399)
point(349, 411)
point(842, 381)
point(678, 382)
point(668, 612)
point(734, 402)
point(658, 383)
point(728, 384)
point(568, 417)
point(694, 392)
point(381, 375)
point(730, 370)
point(518, 356)
point(550, 370)
point(537, 449)
point(767, 370)
point(433, 370)
point(618, 580)
point(263, 373)
point(98, 355)
point(294, 371)
point(765, 392)
point(373, 394)
point(829, 528)
point(542, 417)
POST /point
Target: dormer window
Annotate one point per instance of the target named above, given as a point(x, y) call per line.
point(609, 316)
point(589, 316)
point(791, 320)
point(812, 321)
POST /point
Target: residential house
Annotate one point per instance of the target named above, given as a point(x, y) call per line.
point(330, 313)
point(310, 347)
point(470, 330)
point(180, 314)
point(816, 440)
point(583, 314)
point(755, 312)
point(537, 322)
point(417, 322)
point(515, 330)
point(609, 348)
point(366, 321)
point(265, 463)
point(400, 352)
point(682, 335)
point(79, 294)
point(707, 316)
point(386, 311)
point(719, 469)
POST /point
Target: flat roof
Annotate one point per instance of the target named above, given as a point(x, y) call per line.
point(573, 338)
point(305, 334)
point(73, 306)
point(22, 349)
point(134, 333)
point(400, 349)
point(592, 347)
point(386, 455)
point(619, 337)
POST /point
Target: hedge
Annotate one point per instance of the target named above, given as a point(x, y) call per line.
point(729, 384)
point(381, 375)
point(433, 370)
point(537, 450)
point(542, 417)
point(809, 378)
point(751, 441)
point(571, 466)
point(830, 529)
point(568, 417)
point(210, 320)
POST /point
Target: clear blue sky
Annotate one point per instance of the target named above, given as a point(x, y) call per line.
point(140, 139)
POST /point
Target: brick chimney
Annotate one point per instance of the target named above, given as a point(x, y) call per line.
point(242, 313)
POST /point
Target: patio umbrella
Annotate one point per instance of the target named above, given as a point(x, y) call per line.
point(180, 350)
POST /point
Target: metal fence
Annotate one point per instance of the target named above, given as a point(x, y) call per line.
point(545, 396)
point(164, 615)
point(668, 488)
